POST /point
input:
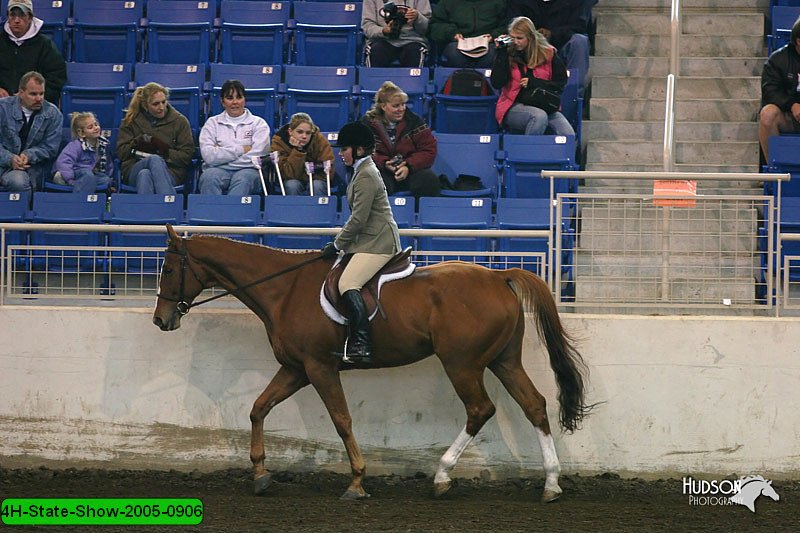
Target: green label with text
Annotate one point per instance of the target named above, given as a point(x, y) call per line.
point(102, 511)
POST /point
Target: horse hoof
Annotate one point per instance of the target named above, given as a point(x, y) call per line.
point(550, 495)
point(260, 484)
point(354, 495)
point(440, 489)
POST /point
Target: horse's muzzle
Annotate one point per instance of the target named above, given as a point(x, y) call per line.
point(169, 325)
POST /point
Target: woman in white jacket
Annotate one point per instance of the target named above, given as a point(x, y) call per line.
point(228, 143)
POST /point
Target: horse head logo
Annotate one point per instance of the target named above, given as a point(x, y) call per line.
point(751, 488)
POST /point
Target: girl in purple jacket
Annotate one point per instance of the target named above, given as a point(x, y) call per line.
point(84, 162)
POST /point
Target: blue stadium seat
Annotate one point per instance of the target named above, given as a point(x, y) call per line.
point(180, 31)
point(71, 209)
point(142, 209)
point(572, 106)
point(56, 16)
point(214, 210)
point(462, 114)
point(253, 33)
point(784, 156)
point(403, 212)
point(523, 213)
point(454, 213)
point(790, 223)
point(260, 82)
point(327, 33)
point(101, 88)
point(527, 155)
point(106, 31)
point(471, 154)
point(340, 177)
point(414, 82)
point(185, 83)
point(325, 93)
point(14, 208)
point(299, 211)
point(783, 18)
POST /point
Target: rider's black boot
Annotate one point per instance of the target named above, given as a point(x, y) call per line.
point(358, 346)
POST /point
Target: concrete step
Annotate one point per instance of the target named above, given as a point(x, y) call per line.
point(633, 23)
point(711, 67)
point(686, 87)
point(648, 152)
point(707, 110)
point(599, 130)
point(690, 46)
point(686, 5)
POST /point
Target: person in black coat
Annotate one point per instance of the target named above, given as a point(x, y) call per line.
point(23, 49)
point(780, 94)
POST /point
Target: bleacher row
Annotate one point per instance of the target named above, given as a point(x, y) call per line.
point(270, 211)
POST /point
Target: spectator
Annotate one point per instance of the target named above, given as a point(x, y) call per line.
point(780, 92)
point(30, 135)
point(24, 49)
point(454, 20)
point(229, 142)
point(401, 39)
point(528, 56)
point(565, 25)
point(154, 144)
point(405, 147)
point(84, 163)
point(298, 143)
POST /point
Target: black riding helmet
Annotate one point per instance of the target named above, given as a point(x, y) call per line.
point(355, 134)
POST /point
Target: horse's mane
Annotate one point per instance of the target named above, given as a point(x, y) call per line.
point(749, 479)
point(204, 236)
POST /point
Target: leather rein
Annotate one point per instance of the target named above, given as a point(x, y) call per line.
point(183, 307)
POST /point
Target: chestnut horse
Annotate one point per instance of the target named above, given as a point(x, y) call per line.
point(471, 317)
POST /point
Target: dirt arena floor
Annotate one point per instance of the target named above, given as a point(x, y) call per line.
point(310, 502)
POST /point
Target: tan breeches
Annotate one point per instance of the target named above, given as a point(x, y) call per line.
point(360, 269)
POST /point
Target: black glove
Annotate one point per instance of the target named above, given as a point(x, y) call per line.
point(329, 250)
point(162, 147)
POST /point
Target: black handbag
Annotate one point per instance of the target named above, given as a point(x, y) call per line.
point(544, 94)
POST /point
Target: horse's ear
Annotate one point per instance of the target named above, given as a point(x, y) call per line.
point(174, 239)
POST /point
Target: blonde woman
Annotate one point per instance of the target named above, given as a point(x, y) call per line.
point(297, 143)
point(155, 144)
point(528, 55)
point(405, 147)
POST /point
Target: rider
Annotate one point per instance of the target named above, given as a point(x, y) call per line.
point(370, 234)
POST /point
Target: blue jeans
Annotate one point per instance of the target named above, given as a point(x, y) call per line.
point(575, 55)
point(531, 120)
point(152, 176)
point(87, 182)
point(242, 182)
point(297, 187)
point(21, 180)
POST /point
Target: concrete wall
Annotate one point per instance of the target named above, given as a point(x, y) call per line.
point(104, 387)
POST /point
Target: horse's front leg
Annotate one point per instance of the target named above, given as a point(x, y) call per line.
point(329, 387)
point(286, 382)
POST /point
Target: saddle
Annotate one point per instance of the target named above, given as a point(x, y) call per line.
point(398, 267)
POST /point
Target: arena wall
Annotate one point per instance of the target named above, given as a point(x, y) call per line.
point(679, 395)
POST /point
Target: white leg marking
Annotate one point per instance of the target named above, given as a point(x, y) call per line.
point(450, 457)
point(552, 468)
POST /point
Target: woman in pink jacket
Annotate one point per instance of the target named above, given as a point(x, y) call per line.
point(528, 55)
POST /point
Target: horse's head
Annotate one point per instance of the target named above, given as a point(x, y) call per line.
point(769, 491)
point(179, 284)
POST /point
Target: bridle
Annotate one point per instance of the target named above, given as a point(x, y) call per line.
point(183, 307)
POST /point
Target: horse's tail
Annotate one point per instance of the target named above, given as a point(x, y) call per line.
point(565, 360)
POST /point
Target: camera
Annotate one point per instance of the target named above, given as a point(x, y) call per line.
point(396, 160)
point(504, 41)
point(395, 18)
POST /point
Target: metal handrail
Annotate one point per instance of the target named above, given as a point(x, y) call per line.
point(674, 72)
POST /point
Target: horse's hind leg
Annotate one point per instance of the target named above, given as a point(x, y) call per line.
point(469, 387)
point(512, 375)
point(286, 382)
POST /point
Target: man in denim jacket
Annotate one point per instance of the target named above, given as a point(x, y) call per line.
point(30, 135)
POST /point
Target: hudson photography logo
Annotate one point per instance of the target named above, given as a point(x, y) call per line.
point(742, 491)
